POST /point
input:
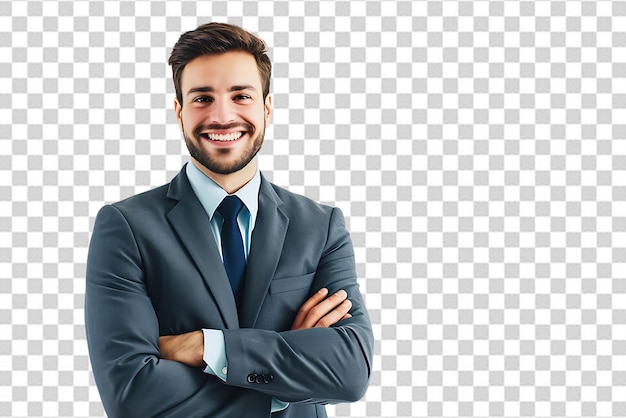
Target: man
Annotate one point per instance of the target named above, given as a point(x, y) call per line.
point(221, 294)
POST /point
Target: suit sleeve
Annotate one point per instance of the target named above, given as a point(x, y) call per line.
point(318, 365)
point(123, 333)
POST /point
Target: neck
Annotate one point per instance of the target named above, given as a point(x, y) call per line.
point(233, 181)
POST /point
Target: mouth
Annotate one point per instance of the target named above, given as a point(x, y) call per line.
point(229, 137)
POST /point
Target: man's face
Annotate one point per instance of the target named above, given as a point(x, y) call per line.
point(223, 114)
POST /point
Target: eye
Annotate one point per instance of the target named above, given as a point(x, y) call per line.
point(241, 97)
point(202, 99)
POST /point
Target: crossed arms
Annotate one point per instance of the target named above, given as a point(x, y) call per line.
point(317, 312)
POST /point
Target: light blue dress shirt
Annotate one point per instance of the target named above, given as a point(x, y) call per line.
point(210, 195)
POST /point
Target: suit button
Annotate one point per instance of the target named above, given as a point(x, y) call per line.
point(259, 379)
point(268, 378)
point(252, 378)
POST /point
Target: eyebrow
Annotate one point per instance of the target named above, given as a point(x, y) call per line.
point(211, 89)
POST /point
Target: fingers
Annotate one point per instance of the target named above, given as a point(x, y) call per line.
point(335, 315)
point(306, 307)
point(317, 312)
point(320, 312)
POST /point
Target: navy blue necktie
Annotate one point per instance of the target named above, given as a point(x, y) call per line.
point(232, 244)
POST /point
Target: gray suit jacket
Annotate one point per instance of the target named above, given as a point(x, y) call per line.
point(154, 269)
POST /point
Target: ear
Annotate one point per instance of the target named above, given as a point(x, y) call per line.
point(178, 109)
point(268, 107)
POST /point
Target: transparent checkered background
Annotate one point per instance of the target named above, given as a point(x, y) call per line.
point(477, 149)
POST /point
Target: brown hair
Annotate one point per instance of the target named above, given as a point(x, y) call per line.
point(217, 38)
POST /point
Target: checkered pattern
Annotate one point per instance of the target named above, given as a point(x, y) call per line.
point(477, 149)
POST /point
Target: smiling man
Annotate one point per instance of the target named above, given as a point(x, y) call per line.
point(221, 294)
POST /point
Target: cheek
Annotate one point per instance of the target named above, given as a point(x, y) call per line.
point(189, 119)
point(257, 118)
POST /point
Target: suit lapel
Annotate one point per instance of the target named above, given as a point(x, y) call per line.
point(265, 250)
point(190, 222)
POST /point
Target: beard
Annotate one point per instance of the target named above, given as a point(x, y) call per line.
point(220, 162)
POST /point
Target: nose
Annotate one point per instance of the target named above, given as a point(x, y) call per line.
point(222, 111)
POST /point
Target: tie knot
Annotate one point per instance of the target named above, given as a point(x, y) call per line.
point(230, 207)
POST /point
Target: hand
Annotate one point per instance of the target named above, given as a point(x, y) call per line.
point(185, 348)
point(318, 312)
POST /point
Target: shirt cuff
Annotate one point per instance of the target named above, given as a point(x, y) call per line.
point(215, 359)
point(215, 353)
point(278, 405)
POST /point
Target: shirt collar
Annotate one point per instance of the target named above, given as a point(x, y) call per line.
point(211, 194)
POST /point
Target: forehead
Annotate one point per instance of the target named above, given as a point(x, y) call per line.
point(221, 70)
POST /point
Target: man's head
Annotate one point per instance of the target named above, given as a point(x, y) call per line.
point(221, 74)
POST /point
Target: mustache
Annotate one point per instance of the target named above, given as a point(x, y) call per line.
point(223, 127)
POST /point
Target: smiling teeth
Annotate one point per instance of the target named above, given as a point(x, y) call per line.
point(226, 137)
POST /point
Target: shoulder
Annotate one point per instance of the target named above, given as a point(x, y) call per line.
point(147, 208)
point(159, 199)
point(151, 199)
point(303, 212)
point(293, 203)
